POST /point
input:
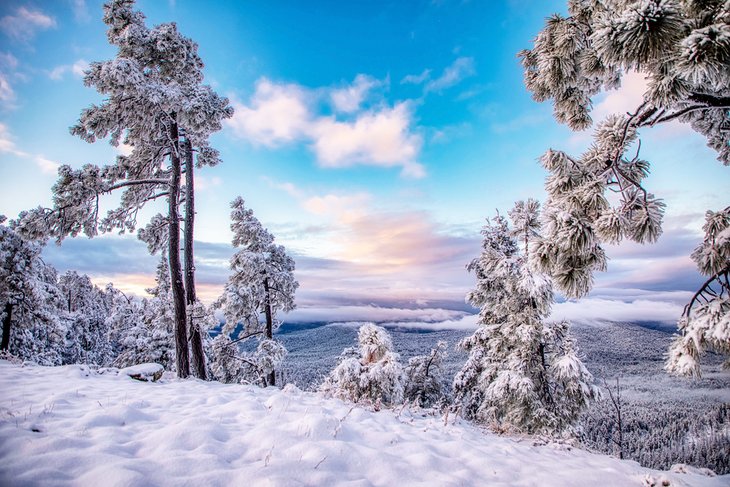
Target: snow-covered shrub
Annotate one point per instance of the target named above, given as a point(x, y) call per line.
point(374, 375)
point(232, 365)
point(424, 377)
point(521, 373)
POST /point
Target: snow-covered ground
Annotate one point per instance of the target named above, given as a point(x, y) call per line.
point(72, 426)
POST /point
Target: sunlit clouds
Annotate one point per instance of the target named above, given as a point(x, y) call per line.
point(381, 135)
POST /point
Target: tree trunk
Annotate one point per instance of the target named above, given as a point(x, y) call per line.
point(6, 326)
point(176, 279)
point(271, 379)
point(196, 340)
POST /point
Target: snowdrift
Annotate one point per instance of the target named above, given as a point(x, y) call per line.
point(74, 426)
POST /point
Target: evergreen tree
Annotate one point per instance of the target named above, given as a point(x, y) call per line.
point(705, 323)
point(156, 102)
point(424, 377)
point(142, 329)
point(371, 373)
point(683, 50)
point(29, 301)
point(521, 373)
point(84, 312)
point(261, 285)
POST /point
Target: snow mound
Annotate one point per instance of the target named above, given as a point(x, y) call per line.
point(68, 425)
point(149, 372)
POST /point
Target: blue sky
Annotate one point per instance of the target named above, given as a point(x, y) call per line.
point(372, 138)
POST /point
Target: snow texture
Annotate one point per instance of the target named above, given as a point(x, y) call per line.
point(71, 425)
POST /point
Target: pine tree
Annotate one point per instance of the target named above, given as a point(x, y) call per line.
point(29, 301)
point(85, 313)
point(261, 285)
point(705, 323)
point(683, 50)
point(371, 373)
point(521, 373)
point(155, 102)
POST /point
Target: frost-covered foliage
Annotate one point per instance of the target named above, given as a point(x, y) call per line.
point(154, 102)
point(521, 374)
point(152, 91)
point(425, 384)
point(29, 301)
point(49, 319)
point(705, 323)
point(683, 49)
point(85, 313)
point(371, 373)
point(231, 365)
point(142, 330)
point(261, 285)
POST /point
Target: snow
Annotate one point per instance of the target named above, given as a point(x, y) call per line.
point(72, 425)
point(148, 372)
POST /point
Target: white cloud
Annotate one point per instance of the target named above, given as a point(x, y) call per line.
point(23, 25)
point(625, 99)
point(81, 12)
point(124, 149)
point(7, 145)
point(7, 94)
point(277, 113)
point(371, 313)
point(349, 99)
point(416, 79)
point(46, 166)
point(8, 61)
point(344, 208)
point(284, 113)
point(461, 68)
point(6, 142)
point(78, 69)
point(380, 138)
point(596, 309)
point(289, 188)
point(468, 322)
point(204, 183)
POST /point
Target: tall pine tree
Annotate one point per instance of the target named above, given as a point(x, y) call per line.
point(156, 103)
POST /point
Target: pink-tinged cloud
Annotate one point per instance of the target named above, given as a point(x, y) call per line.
point(349, 98)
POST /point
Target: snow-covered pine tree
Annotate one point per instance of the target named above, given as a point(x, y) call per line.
point(29, 301)
point(371, 373)
point(84, 311)
point(261, 285)
point(156, 103)
point(705, 323)
point(142, 329)
point(424, 377)
point(521, 373)
point(683, 50)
